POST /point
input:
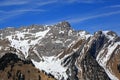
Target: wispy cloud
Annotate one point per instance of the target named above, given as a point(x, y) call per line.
point(22, 11)
point(83, 1)
point(26, 2)
point(91, 1)
point(13, 2)
point(43, 2)
point(9, 14)
point(76, 20)
point(25, 7)
point(39, 3)
point(113, 6)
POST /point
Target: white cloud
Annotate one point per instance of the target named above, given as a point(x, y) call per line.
point(90, 1)
point(26, 10)
point(76, 20)
point(26, 2)
point(45, 2)
point(82, 1)
point(114, 6)
point(42, 2)
point(12, 2)
point(1, 11)
point(8, 14)
point(26, 6)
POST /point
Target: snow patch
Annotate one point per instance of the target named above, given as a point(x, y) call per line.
point(61, 32)
point(108, 36)
point(112, 77)
point(70, 32)
point(84, 35)
point(102, 59)
point(58, 41)
point(0, 47)
point(67, 40)
point(24, 44)
point(53, 66)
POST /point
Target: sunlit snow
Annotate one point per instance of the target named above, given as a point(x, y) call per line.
point(53, 66)
point(19, 41)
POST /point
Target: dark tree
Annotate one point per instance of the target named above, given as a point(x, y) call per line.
point(39, 77)
point(118, 67)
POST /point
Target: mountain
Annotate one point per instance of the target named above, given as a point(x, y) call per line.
point(59, 52)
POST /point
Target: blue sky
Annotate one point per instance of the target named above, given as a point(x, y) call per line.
point(89, 15)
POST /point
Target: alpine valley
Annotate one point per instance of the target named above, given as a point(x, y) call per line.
point(58, 52)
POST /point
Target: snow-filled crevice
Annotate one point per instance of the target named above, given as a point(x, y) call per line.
point(53, 66)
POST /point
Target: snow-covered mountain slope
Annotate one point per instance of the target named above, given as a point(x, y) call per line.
point(65, 53)
point(106, 56)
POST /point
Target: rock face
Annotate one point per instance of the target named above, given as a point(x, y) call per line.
point(61, 52)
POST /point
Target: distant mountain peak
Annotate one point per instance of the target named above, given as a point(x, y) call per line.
point(63, 24)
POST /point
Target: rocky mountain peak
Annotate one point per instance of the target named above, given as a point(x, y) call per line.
point(64, 24)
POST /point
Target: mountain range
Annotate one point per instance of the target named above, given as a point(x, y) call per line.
point(58, 52)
